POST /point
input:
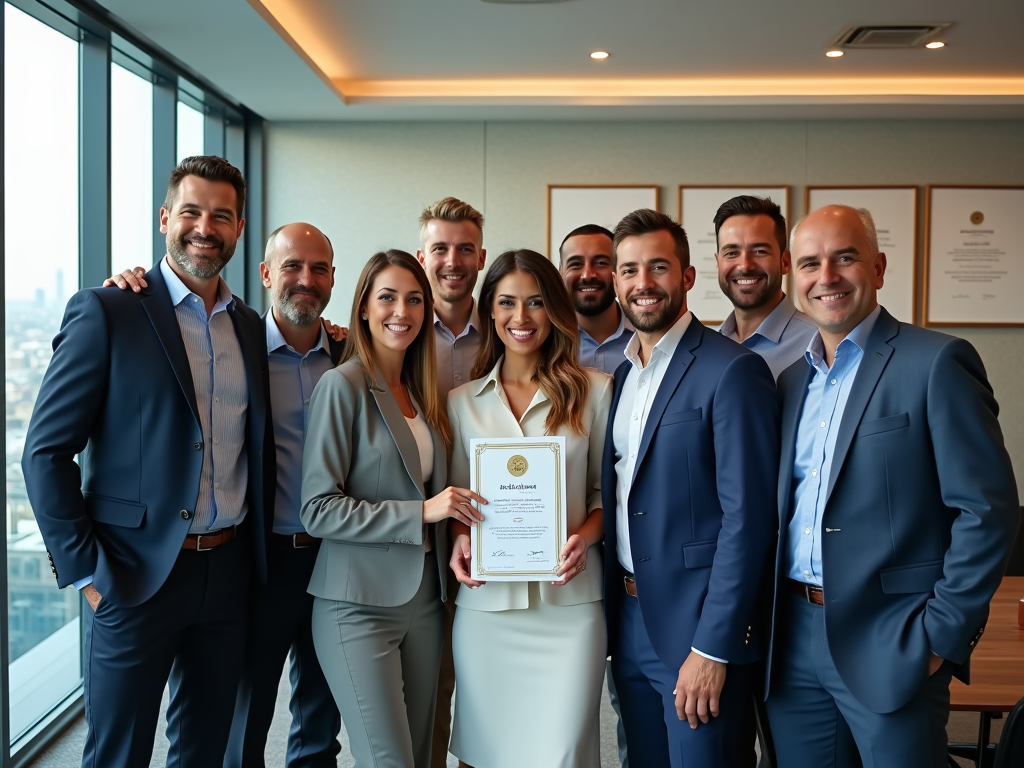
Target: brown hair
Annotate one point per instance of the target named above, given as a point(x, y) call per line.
point(643, 222)
point(452, 209)
point(419, 367)
point(748, 205)
point(208, 168)
point(559, 375)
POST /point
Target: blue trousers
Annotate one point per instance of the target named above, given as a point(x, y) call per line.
point(807, 697)
point(280, 616)
point(655, 736)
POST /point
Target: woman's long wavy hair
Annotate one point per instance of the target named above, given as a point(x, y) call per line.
point(419, 368)
point(559, 374)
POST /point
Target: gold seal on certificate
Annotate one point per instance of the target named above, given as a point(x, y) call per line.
point(523, 531)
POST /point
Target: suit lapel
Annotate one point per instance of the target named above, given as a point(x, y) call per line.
point(337, 348)
point(876, 357)
point(791, 408)
point(400, 432)
point(678, 364)
point(251, 358)
point(157, 303)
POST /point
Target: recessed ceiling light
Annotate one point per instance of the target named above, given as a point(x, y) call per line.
point(935, 44)
point(834, 53)
point(600, 55)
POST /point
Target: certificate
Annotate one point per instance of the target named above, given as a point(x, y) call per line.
point(573, 206)
point(523, 530)
point(974, 271)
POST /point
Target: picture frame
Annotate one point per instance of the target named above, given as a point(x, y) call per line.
point(573, 205)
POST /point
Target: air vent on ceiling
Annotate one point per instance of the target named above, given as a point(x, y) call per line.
point(888, 35)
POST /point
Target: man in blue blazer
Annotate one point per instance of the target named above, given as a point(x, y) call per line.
point(898, 507)
point(687, 481)
point(161, 396)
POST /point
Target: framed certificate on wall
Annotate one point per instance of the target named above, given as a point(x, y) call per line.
point(697, 208)
point(974, 256)
point(571, 206)
point(894, 210)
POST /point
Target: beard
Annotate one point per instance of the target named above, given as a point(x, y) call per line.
point(449, 295)
point(200, 266)
point(751, 299)
point(594, 304)
point(305, 313)
point(651, 322)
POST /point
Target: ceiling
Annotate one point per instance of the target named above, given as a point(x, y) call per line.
point(469, 59)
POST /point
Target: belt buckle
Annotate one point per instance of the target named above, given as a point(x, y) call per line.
point(295, 542)
point(627, 581)
point(199, 542)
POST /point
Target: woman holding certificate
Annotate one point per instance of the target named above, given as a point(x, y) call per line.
point(373, 468)
point(520, 645)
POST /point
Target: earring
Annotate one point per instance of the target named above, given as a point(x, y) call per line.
point(365, 317)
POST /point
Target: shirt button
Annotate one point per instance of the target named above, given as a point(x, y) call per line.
point(834, 382)
point(636, 416)
point(807, 531)
point(814, 472)
point(216, 399)
point(185, 514)
point(195, 299)
point(807, 574)
point(822, 425)
point(458, 376)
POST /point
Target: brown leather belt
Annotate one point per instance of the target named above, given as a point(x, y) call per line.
point(297, 540)
point(628, 581)
point(201, 542)
point(810, 592)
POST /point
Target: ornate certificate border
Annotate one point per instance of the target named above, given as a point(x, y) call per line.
point(556, 448)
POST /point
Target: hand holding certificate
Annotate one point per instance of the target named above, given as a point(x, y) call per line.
point(524, 530)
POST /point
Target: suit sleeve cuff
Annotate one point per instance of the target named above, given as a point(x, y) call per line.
point(708, 656)
point(83, 582)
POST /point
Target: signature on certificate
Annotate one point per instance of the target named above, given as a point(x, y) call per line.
point(500, 553)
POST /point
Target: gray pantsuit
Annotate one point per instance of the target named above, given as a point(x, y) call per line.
point(378, 616)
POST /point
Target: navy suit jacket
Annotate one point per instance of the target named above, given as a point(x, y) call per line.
point(119, 393)
point(920, 511)
point(702, 513)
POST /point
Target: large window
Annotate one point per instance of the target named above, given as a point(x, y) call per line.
point(95, 118)
point(40, 273)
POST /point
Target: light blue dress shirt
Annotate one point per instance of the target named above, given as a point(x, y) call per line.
point(610, 353)
point(824, 404)
point(780, 339)
point(292, 379)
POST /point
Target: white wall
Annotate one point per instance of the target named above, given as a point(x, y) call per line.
point(365, 184)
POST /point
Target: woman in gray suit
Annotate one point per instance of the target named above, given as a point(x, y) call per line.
point(372, 472)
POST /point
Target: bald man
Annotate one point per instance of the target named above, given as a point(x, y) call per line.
point(298, 270)
point(897, 505)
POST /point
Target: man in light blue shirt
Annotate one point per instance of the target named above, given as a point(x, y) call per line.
point(585, 261)
point(752, 260)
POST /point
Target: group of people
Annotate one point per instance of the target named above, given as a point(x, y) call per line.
point(797, 518)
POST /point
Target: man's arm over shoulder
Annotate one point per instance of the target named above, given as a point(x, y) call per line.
point(70, 399)
point(976, 477)
point(746, 444)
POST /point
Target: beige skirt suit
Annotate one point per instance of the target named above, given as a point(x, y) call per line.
point(530, 657)
point(378, 614)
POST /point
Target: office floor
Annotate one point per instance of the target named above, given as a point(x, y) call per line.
point(66, 752)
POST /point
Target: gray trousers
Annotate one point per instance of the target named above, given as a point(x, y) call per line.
point(382, 665)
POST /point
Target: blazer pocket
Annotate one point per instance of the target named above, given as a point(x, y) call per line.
point(103, 509)
point(886, 424)
point(700, 554)
point(675, 417)
point(911, 578)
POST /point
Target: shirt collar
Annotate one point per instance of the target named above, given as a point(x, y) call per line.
point(815, 353)
point(493, 381)
point(666, 344)
point(474, 323)
point(275, 340)
point(624, 325)
point(179, 291)
point(772, 327)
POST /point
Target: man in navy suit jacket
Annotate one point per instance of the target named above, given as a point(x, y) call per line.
point(161, 395)
point(897, 505)
point(688, 478)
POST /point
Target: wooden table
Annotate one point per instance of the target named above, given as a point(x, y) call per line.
point(997, 669)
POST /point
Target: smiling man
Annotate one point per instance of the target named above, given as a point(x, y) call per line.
point(752, 260)
point(897, 510)
point(160, 395)
point(687, 480)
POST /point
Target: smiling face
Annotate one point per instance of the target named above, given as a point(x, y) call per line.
point(452, 258)
point(299, 273)
point(587, 272)
point(202, 226)
point(394, 310)
point(750, 263)
point(520, 319)
point(837, 273)
point(650, 281)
